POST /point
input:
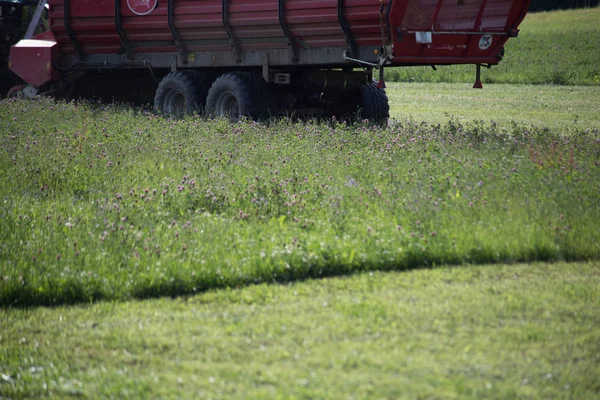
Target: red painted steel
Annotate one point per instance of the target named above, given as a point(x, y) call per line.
point(457, 27)
point(313, 24)
point(33, 59)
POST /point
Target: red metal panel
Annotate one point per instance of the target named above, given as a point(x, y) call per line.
point(471, 20)
point(459, 15)
point(148, 33)
point(200, 25)
point(256, 24)
point(92, 23)
point(313, 24)
point(495, 16)
point(34, 59)
point(363, 16)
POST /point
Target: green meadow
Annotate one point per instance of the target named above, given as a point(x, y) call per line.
point(454, 254)
point(224, 224)
point(106, 203)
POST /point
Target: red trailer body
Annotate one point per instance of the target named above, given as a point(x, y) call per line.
point(275, 37)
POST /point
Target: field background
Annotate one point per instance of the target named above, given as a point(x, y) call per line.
point(217, 227)
point(561, 109)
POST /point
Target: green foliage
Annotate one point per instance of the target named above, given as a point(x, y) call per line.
point(111, 203)
point(558, 48)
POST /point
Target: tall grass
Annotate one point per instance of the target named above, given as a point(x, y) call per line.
point(558, 47)
point(100, 202)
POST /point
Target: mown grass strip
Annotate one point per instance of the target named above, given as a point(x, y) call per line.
point(561, 109)
point(108, 203)
point(493, 332)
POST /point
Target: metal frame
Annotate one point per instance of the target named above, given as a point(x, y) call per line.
point(330, 57)
point(70, 33)
point(229, 30)
point(472, 33)
point(324, 58)
point(347, 32)
point(388, 22)
point(177, 39)
point(436, 13)
point(291, 40)
point(125, 45)
point(480, 14)
point(37, 15)
point(476, 24)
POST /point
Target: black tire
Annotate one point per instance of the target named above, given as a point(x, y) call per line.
point(374, 103)
point(180, 93)
point(237, 94)
point(366, 102)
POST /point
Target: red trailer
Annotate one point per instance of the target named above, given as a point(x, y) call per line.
point(262, 57)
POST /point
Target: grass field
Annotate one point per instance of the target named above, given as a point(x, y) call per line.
point(247, 203)
point(559, 47)
point(105, 203)
point(487, 332)
point(559, 108)
point(454, 254)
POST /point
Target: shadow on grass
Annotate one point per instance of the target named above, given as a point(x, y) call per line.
point(69, 292)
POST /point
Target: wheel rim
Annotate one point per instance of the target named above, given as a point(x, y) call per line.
point(227, 106)
point(174, 103)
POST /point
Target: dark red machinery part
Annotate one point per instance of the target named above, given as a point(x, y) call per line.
point(457, 27)
point(245, 35)
point(106, 26)
point(34, 60)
